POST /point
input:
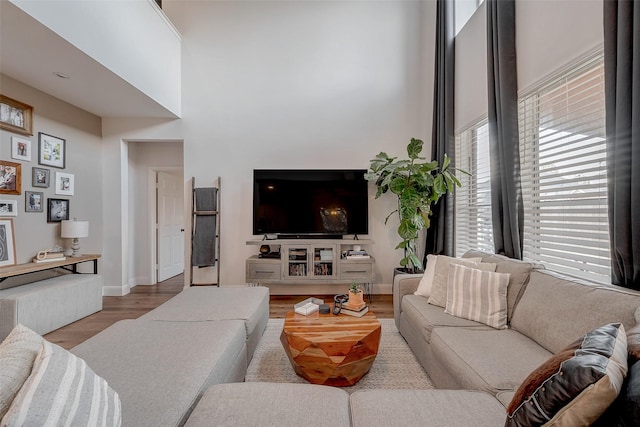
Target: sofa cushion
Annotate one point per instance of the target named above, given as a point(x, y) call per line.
point(424, 288)
point(485, 359)
point(271, 404)
point(63, 390)
point(424, 316)
point(518, 271)
point(17, 353)
point(441, 279)
point(425, 408)
point(571, 308)
point(161, 369)
point(633, 344)
point(576, 385)
point(478, 295)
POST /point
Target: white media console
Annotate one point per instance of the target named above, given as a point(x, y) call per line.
point(310, 261)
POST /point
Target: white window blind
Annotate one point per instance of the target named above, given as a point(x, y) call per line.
point(473, 199)
point(563, 164)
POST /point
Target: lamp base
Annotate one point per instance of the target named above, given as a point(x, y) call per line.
point(75, 245)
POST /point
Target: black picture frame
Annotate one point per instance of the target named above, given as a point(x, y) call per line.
point(51, 151)
point(57, 210)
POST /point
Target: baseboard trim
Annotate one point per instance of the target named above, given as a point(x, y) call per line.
point(115, 291)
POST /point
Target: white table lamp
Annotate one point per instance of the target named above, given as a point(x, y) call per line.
point(75, 230)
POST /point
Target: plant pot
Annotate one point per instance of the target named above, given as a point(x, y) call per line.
point(356, 299)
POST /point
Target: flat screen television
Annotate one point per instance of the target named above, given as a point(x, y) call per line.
point(315, 203)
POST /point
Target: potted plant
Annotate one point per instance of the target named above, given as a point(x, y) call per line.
point(418, 185)
point(355, 295)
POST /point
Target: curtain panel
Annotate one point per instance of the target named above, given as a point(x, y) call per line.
point(439, 238)
point(506, 194)
point(622, 103)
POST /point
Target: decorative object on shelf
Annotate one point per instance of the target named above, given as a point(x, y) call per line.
point(308, 306)
point(265, 249)
point(74, 230)
point(57, 210)
point(16, 116)
point(65, 183)
point(418, 185)
point(8, 208)
point(20, 148)
point(51, 150)
point(33, 201)
point(40, 177)
point(50, 255)
point(10, 177)
point(356, 301)
point(7, 243)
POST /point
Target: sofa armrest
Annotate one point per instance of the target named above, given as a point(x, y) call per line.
point(403, 284)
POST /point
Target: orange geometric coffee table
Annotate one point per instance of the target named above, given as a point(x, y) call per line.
point(331, 350)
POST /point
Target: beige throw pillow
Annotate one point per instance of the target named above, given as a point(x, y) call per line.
point(441, 279)
point(426, 283)
point(17, 353)
point(478, 295)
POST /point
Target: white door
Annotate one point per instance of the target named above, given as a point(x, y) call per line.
point(170, 226)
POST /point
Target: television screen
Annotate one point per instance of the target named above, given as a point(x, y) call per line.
point(310, 202)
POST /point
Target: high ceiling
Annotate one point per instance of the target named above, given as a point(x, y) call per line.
point(35, 55)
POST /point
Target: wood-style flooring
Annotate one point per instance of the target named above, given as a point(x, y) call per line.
point(145, 298)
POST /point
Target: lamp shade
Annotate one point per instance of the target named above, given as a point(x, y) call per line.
point(74, 229)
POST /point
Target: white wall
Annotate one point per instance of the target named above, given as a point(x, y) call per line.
point(549, 35)
point(132, 38)
point(81, 131)
point(146, 158)
point(300, 85)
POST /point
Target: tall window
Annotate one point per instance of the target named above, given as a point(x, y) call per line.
point(563, 162)
point(473, 199)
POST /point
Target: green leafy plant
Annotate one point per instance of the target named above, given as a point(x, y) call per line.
point(418, 185)
point(354, 288)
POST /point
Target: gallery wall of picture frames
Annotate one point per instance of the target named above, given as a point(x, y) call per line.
point(45, 184)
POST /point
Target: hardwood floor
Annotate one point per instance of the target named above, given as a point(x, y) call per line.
point(143, 299)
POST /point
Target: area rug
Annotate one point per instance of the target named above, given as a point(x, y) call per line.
point(395, 366)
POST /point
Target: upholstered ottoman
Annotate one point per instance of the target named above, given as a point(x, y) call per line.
point(50, 304)
point(425, 408)
point(205, 303)
point(271, 404)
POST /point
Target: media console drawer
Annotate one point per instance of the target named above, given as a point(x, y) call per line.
point(263, 269)
point(355, 269)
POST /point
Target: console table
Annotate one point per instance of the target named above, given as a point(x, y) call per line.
point(69, 264)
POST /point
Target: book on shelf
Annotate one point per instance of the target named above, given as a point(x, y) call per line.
point(355, 313)
point(48, 259)
point(358, 256)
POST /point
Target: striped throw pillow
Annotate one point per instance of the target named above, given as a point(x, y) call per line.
point(63, 390)
point(478, 295)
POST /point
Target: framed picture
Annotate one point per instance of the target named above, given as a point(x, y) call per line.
point(21, 148)
point(7, 243)
point(64, 183)
point(16, 116)
point(51, 150)
point(8, 208)
point(33, 201)
point(40, 177)
point(10, 177)
point(57, 210)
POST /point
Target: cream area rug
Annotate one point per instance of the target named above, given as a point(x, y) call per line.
point(395, 366)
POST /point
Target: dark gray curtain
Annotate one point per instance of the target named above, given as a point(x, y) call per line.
point(622, 89)
point(506, 195)
point(440, 234)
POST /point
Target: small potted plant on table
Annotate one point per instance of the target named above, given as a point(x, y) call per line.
point(356, 300)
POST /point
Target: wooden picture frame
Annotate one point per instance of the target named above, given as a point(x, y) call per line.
point(40, 177)
point(65, 183)
point(51, 150)
point(16, 116)
point(10, 177)
point(7, 243)
point(57, 210)
point(8, 208)
point(21, 148)
point(33, 201)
